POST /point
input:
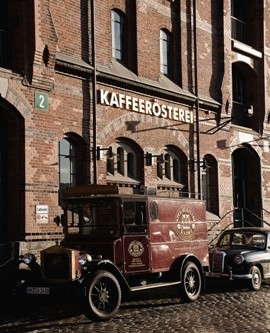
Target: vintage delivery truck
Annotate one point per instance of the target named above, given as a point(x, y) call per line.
point(115, 245)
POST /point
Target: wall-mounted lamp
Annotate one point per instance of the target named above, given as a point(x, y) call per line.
point(193, 164)
point(110, 153)
point(149, 158)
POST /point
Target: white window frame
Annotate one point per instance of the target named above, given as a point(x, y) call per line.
point(71, 156)
point(165, 45)
point(118, 26)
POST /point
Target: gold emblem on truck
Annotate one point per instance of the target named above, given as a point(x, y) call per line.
point(135, 249)
point(186, 227)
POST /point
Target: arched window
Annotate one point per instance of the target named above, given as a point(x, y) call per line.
point(176, 170)
point(168, 167)
point(120, 161)
point(171, 168)
point(73, 162)
point(159, 170)
point(130, 164)
point(165, 52)
point(67, 164)
point(123, 166)
point(118, 35)
point(110, 165)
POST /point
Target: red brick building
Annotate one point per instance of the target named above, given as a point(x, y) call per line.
point(143, 94)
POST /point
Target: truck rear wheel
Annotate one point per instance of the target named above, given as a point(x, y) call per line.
point(191, 282)
point(103, 296)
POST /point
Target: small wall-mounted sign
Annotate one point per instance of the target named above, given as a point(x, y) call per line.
point(41, 101)
point(42, 213)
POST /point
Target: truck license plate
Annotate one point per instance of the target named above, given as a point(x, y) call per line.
point(38, 291)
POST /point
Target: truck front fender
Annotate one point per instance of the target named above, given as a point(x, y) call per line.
point(109, 266)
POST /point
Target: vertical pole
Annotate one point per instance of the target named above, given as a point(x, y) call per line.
point(197, 105)
point(94, 91)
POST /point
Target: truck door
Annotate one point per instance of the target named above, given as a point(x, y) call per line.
point(135, 237)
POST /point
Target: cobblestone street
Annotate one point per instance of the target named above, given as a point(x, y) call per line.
point(216, 311)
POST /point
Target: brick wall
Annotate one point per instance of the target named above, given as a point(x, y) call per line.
point(49, 29)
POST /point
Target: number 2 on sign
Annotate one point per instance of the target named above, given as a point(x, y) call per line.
point(41, 101)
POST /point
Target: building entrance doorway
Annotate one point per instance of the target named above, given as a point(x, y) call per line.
point(247, 198)
point(3, 179)
point(12, 173)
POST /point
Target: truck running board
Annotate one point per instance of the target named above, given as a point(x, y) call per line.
point(154, 285)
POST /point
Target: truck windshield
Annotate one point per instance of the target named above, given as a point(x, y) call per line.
point(134, 217)
point(93, 217)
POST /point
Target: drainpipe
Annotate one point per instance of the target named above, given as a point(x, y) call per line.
point(197, 102)
point(94, 92)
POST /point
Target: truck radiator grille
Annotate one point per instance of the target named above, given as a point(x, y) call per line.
point(56, 266)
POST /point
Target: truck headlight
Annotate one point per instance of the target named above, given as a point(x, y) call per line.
point(239, 259)
point(28, 258)
point(84, 258)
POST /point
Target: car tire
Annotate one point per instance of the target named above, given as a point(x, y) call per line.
point(103, 296)
point(191, 285)
point(256, 279)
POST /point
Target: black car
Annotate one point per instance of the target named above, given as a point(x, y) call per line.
point(242, 253)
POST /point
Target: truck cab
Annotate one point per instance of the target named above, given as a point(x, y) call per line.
point(115, 245)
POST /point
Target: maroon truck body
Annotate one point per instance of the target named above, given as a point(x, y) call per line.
point(118, 244)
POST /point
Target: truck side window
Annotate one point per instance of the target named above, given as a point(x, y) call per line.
point(86, 219)
point(154, 210)
point(134, 217)
point(140, 214)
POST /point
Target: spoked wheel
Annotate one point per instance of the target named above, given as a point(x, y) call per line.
point(191, 283)
point(103, 297)
point(256, 279)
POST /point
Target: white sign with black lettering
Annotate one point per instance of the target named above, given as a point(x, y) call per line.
point(42, 213)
